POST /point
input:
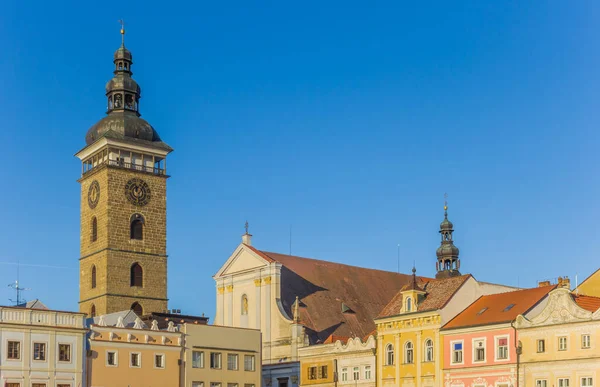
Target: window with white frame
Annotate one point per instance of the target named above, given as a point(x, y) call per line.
point(13, 350)
point(215, 384)
point(586, 341)
point(478, 350)
point(249, 363)
point(587, 381)
point(159, 361)
point(562, 343)
point(111, 358)
point(563, 382)
point(409, 352)
point(197, 384)
point(408, 304)
point(367, 372)
point(541, 346)
point(215, 360)
point(232, 361)
point(541, 383)
point(198, 360)
point(356, 373)
point(344, 374)
point(39, 351)
point(457, 353)
point(428, 350)
point(64, 352)
point(389, 354)
point(135, 360)
point(502, 348)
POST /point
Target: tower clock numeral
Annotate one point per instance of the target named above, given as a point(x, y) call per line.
point(137, 192)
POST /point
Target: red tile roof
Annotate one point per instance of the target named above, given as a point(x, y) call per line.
point(587, 302)
point(323, 286)
point(439, 292)
point(497, 309)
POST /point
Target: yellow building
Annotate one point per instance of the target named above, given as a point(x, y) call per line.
point(41, 347)
point(218, 356)
point(339, 364)
point(559, 344)
point(127, 355)
point(591, 285)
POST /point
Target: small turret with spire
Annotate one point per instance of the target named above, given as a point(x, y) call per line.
point(448, 263)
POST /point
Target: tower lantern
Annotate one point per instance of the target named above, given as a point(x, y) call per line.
point(448, 263)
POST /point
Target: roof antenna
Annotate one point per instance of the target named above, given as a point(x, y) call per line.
point(17, 289)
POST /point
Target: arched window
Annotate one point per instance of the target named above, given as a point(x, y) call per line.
point(137, 308)
point(408, 304)
point(110, 103)
point(389, 354)
point(136, 227)
point(93, 311)
point(136, 275)
point(93, 277)
point(409, 353)
point(428, 350)
point(94, 229)
point(244, 304)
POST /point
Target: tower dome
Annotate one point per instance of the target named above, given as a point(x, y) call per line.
point(448, 263)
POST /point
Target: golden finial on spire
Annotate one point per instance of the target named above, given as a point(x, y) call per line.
point(445, 202)
point(122, 32)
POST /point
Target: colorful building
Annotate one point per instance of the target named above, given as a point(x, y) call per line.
point(559, 343)
point(480, 343)
point(339, 364)
point(41, 347)
point(590, 286)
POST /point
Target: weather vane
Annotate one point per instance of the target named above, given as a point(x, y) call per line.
point(122, 32)
point(246, 226)
point(445, 201)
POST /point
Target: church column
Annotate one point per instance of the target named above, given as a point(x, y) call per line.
point(220, 317)
point(229, 303)
point(257, 296)
point(397, 358)
point(417, 358)
point(268, 304)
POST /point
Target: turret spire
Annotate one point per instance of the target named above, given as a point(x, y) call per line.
point(122, 32)
point(448, 263)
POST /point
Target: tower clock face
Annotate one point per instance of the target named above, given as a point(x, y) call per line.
point(94, 194)
point(137, 192)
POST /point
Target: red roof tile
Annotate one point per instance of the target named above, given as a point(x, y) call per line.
point(323, 286)
point(496, 308)
point(587, 302)
point(438, 293)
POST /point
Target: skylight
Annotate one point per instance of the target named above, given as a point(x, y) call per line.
point(508, 308)
point(482, 310)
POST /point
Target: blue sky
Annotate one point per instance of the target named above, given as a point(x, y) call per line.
point(347, 123)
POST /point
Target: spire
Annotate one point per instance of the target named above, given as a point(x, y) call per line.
point(413, 282)
point(247, 238)
point(448, 263)
point(122, 33)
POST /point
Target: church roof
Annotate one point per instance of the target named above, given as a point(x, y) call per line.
point(336, 300)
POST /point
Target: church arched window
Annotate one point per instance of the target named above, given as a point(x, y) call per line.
point(389, 354)
point(110, 102)
point(137, 308)
point(94, 229)
point(93, 276)
point(93, 311)
point(136, 275)
point(428, 350)
point(409, 353)
point(244, 304)
point(136, 227)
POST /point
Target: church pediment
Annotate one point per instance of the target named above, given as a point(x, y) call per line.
point(560, 309)
point(242, 260)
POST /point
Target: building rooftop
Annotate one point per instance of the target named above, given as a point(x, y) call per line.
point(589, 303)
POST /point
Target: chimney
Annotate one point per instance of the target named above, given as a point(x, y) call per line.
point(544, 283)
point(564, 282)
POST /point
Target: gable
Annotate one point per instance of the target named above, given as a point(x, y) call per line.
point(591, 285)
point(560, 309)
point(242, 260)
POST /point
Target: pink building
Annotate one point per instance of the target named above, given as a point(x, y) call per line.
point(480, 342)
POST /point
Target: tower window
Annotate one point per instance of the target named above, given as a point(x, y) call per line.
point(408, 304)
point(136, 275)
point(93, 311)
point(137, 308)
point(94, 229)
point(136, 227)
point(93, 277)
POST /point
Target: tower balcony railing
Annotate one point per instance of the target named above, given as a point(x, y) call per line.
point(131, 166)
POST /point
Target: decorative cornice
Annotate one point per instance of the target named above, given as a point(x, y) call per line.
point(560, 309)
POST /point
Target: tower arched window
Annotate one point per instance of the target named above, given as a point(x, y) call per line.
point(137, 308)
point(389, 354)
point(136, 275)
point(110, 102)
point(136, 227)
point(94, 277)
point(409, 303)
point(93, 311)
point(428, 350)
point(244, 304)
point(94, 229)
point(409, 353)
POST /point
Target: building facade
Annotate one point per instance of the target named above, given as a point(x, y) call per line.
point(590, 286)
point(123, 261)
point(41, 348)
point(339, 364)
point(218, 356)
point(559, 344)
point(134, 355)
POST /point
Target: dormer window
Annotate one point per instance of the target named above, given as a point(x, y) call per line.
point(409, 303)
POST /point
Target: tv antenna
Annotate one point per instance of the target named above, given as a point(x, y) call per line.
point(18, 289)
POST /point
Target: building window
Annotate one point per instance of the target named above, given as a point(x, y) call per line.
point(478, 350)
point(64, 352)
point(215, 384)
point(322, 372)
point(502, 348)
point(457, 353)
point(39, 351)
point(344, 374)
point(248, 385)
point(93, 276)
point(159, 361)
point(408, 353)
point(428, 350)
point(389, 354)
point(232, 385)
point(136, 275)
point(408, 304)
point(135, 360)
point(586, 341)
point(356, 373)
point(111, 358)
point(562, 343)
point(197, 359)
point(312, 373)
point(587, 382)
point(137, 309)
point(232, 362)
point(94, 229)
point(63, 385)
point(367, 372)
point(13, 350)
point(136, 227)
point(215, 360)
point(541, 346)
point(197, 384)
point(38, 385)
point(244, 305)
point(249, 363)
point(563, 382)
point(93, 311)
point(13, 385)
point(541, 383)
